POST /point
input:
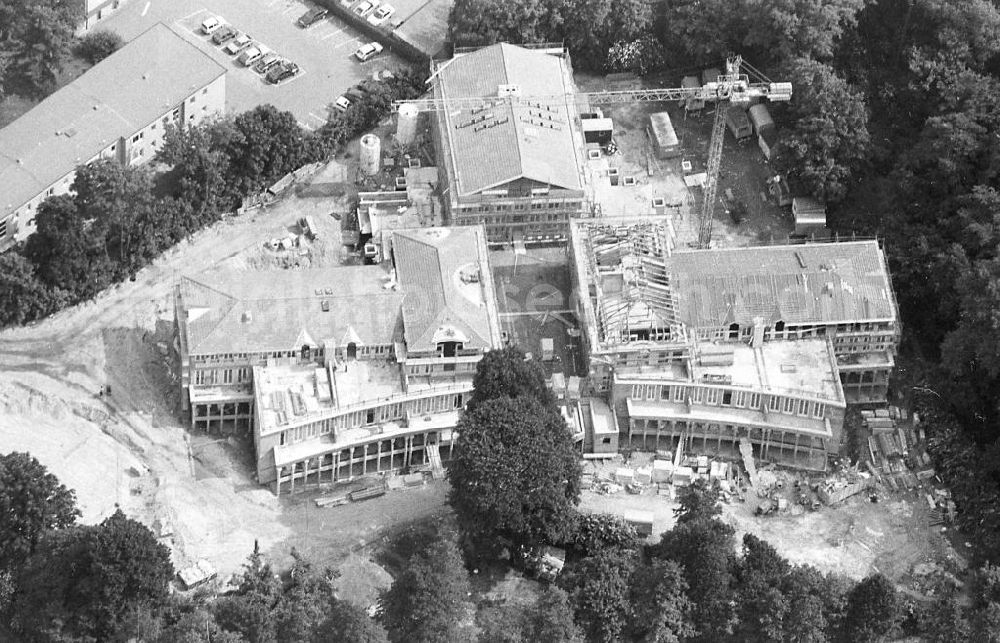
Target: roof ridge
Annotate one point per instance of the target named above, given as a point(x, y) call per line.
point(514, 120)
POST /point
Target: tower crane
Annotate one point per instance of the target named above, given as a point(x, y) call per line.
point(735, 87)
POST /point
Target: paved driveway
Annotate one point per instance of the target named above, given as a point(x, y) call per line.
point(324, 52)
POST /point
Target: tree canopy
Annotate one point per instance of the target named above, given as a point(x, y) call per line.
point(32, 502)
point(428, 600)
point(515, 472)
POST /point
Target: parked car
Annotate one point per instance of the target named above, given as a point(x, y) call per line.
point(311, 17)
point(266, 62)
point(342, 103)
point(281, 73)
point(252, 54)
point(210, 24)
point(381, 14)
point(223, 33)
point(368, 51)
point(364, 8)
point(238, 44)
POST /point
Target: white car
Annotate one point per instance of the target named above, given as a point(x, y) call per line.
point(364, 8)
point(209, 25)
point(381, 14)
point(238, 44)
point(369, 51)
point(250, 55)
point(341, 104)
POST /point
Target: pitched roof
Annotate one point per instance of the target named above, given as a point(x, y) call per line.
point(231, 311)
point(122, 94)
point(446, 276)
point(799, 284)
point(504, 142)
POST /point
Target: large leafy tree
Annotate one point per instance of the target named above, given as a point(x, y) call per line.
point(85, 581)
point(68, 251)
point(32, 502)
point(515, 472)
point(660, 608)
point(827, 140)
point(23, 296)
point(427, 602)
point(507, 373)
point(873, 610)
point(36, 38)
point(347, 623)
point(598, 587)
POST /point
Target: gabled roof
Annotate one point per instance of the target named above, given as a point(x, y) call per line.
point(446, 276)
point(120, 95)
point(502, 143)
point(281, 310)
point(800, 284)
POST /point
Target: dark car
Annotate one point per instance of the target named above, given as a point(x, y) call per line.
point(281, 73)
point(311, 17)
point(223, 34)
point(267, 62)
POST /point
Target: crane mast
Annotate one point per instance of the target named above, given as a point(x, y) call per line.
point(732, 87)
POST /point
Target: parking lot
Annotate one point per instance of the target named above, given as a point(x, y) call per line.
point(323, 52)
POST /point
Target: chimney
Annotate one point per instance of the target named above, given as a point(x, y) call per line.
point(757, 340)
point(247, 317)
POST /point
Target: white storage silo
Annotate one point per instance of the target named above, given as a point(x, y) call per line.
point(406, 123)
point(371, 153)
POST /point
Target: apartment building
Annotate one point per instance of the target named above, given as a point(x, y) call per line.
point(117, 110)
point(767, 344)
point(94, 11)
point(514, 166)
point(341, 371)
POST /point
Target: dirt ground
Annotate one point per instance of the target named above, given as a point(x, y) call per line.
point(131, 447)
point(854, 538)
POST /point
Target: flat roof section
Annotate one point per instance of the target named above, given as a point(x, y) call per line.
point(120, 95)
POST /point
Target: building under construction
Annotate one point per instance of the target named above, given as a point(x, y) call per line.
point(343, 371)
point(513, 166)
point(711, 347)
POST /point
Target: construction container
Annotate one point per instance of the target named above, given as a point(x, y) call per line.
point(624, 476)
point(760, 118)
point(738, 123)
point(370, 157)
point(682, 476)
point(809, 215)
point(663, 137)
point(692, 104)
point(644, 475)
point(597, 130)
point(406, 124)
point(642, 521)
point(662, 470)
point(365, 494)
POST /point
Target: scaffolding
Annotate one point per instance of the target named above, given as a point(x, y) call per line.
point(632, 284)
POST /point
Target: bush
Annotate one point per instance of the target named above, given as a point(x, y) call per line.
point(98, 45)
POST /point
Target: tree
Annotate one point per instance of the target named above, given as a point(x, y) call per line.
point(23, 296)
point(515, 472)
point(85, 581)
point(32, 502)
point(347, 623)
point(596, 532)
point(828, 140)
point(551, 618)
point(945, 621)
point(98, 45)
point(250, 610)
point(661, 610)
point(68, 253)
point(35, 37)
point(786, 29)
point(270, 144)
point(598, 587)
point(873, 610)
point(698, 501)
point(507, 373)
point(761, 606)
point(306, 602)
point(704, 549)
point(427, 602)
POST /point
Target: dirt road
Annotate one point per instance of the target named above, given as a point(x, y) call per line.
point(131, 448)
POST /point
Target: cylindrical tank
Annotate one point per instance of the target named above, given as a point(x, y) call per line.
point(371, 154)
point(406, 124)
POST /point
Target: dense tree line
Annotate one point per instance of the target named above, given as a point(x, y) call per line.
point(118, 219)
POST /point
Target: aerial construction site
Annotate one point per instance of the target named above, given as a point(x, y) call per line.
point(694, 318)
